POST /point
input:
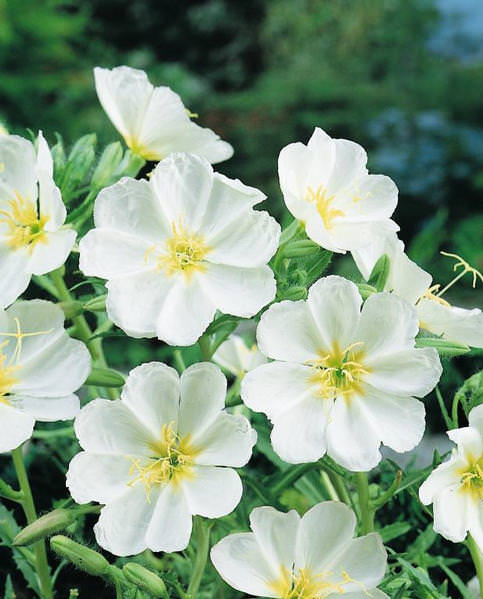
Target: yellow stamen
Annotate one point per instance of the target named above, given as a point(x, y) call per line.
point(339, 372)
point(466, 268)
point(430, 294)
point(303, 584)
point(472, 479)
point(183, 252)
point(172, 461)
point(322, 200)
point(25, 225)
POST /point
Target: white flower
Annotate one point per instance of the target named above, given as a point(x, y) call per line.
point(344, 379)
point(40, 368)
point(474, 587)
point(411, 282)
point(455, 487)
point(178, 248)
point(32, 239)
point(153, 457)
point(153, 120)
point(315, 556)
point(326, 185)
point(234, 355)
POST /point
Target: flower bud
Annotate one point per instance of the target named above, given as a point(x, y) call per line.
point(96, 304)
point(380, 272)
point(85, 559)
point(71, 309)
point(445, 348)
point(81, 158)
point(366, 290)
point(107, 166)
point(300, 248)
point(45, 526)
point(145, 579)
point(105, 377)
point(294, 293)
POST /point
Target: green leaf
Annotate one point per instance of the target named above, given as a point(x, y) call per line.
point(380, 272)
point(458, 583)
point(9, 592)
point(445, 348)
point(424, 541)
point(395, 530)
point(470, 394)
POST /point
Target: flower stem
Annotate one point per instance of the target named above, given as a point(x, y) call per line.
point(446, 417)
point(329, 487)
point(205, 347)
point(367, 514)
point(42, 567)
point(477, 558)
point(202, 533)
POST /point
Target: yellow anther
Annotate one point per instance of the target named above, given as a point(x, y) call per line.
point(323, 201)
point(192, 115)
point(431, 294)
point(471, 479)
point(304, 584)
point(26, 226)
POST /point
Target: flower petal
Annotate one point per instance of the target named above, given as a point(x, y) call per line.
point(325, 530)
point(335, 304)
point(96, 477)
point(349, 165)
point(450, 509)
point(287, 331)
point(47, 409)
point(14, 274)
point(373, 197)
point(17, 157)
point(170, 527)
point(151, 393)
point(441, 478)
point(212, 492)
point(203, 392)
point(15, 427)
point(53, 253)
point(452, 323)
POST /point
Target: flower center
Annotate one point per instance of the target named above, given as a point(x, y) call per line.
point(173, 461)
point(339, 372)
point(7, 376)
point(25, 226)
point(472, 479)
point(183, 253)
point(323, 202)
point(303, 584)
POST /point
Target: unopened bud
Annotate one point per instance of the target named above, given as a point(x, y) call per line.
point(45, 526)
point(105, 377)
point(107, 166)
point(82, 557)
point(96, 304)
point(300, 248)
point(366, 290)
point(445, 348)
point(296, 292)
point(145, 579)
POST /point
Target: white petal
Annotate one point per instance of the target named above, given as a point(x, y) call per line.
point(228, 441)
point(388, 324)
point(182, 184)
point(58, 370)
point(408, 372)
point(450, 508)
point(238, 291)
point(212, 492)
point(276, 387)
point(134, 302)
point(348, 233)
point(475, 418)
point(130, 206)
point(365, 594)
point(468, 439)
point(96, 477)
point(349, 164)
point(124, 522)
point(47, 409)
point(14, 273)
point(241, 563)
point(276, 533)
point(364, 560)
point(373, 197)
point(325, 530)
point(335, 304)
point(53, 253)
point(475, 528)
point(299, 434)
point(170, 527)
point(351, 439)
point(151, 393)
point(203, 391)
point(186, 312)
point(452, 323)
point(45, 163)
point(107, 253)
point(15, 427)
point(442, 477)
point(398, 420)
point(124, 94)
point(287, 331)
point(249, 242)
point(234, 356)
point(109, 427)
point(17, 157)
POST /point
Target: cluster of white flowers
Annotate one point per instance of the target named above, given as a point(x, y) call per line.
point(335, 375)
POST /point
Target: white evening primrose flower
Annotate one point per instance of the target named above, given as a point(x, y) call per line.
point(312, 557)
point(235, 356)
point(32, 237)
point(179, 247)
point(153, 120)
point(40, 368)
point(326, 185)
point(164, 452)
point(414, 284)
point(455, 487)
point(344, 380)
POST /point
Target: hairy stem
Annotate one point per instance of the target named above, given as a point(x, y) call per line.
point(202, 534)
point(367, 514)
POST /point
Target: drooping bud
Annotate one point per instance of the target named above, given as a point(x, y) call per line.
point(45, 526)
point(82, 557)
point(96, 304)
point(145, 579)
point(105, 377)
point(302, 247)
point(107, 166)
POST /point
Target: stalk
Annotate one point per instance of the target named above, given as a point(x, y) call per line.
point(477, 558)
point(367, 514)
point(202, 533)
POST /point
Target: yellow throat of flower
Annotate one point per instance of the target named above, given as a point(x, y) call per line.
point(472, 479)
point(7, 376)
point(172, 461)
point(303, 584)
point(323, 202)
point(25, 225)
point(182, 253)
point(339, 372)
